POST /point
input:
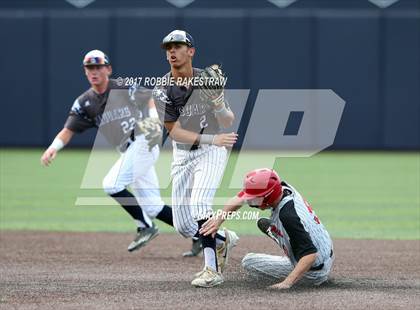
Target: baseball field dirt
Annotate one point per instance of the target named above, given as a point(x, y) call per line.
point(53, 270)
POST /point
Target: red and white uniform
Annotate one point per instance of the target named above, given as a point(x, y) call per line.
point(298, 231)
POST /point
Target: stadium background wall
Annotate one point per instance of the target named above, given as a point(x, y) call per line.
point(368, 56)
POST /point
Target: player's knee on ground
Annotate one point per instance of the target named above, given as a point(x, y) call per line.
point(110, 187)
point(248, 262)
point(263, 267)
point(315, 278)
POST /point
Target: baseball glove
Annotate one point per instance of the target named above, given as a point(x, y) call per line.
point(212, 84)
point(151, 127)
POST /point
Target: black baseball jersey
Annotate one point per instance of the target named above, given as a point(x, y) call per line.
point(179, 103)
point(115, 112)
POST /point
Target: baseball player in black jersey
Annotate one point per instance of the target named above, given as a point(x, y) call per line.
point(193, 114)
point(293, 225)
point(128, 119)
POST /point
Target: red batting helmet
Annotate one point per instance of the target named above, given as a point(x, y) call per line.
point(263, 185)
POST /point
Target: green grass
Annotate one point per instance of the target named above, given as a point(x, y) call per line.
point(356, 194)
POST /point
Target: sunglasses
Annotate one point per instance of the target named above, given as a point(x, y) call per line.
point(95, 61)
point(177, 38)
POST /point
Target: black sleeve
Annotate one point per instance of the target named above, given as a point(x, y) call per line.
point(77, 120)
point(139, 96)
point(300, 240)
point(164, 106)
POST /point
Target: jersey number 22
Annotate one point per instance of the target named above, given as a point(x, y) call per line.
point(127, 126)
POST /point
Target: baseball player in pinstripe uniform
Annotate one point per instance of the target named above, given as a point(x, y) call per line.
point(128, 120)
point(194, 118)
point(293, 225)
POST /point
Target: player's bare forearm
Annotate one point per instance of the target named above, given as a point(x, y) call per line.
point(232, 205)
point(297, 273)
point(226, 118)
point(65, 135)
point(62, 138)
point(151, 104)
point(212, 224)
point(177, 133)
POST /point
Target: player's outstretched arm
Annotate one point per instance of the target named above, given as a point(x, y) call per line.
point(62, 138)
point(211, 226)
point(297, 273)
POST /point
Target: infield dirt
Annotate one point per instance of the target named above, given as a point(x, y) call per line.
point(53, 270)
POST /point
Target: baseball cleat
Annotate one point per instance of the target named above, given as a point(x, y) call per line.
point(143, 236)
point(263, 224)
point(208, 278)
point(223, 251)
point(196, 249)
point(198, 274)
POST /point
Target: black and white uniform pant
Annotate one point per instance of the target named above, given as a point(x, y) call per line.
point(135, 168)
point(196, 176)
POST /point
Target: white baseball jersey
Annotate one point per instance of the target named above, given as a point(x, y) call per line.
point(298, 230)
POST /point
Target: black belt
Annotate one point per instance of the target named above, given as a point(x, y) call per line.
point(319, 267)
point(187, 147)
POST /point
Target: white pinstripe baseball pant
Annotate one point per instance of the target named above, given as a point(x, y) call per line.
point(196, 177)
point(135, 168)
point(272, 267)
